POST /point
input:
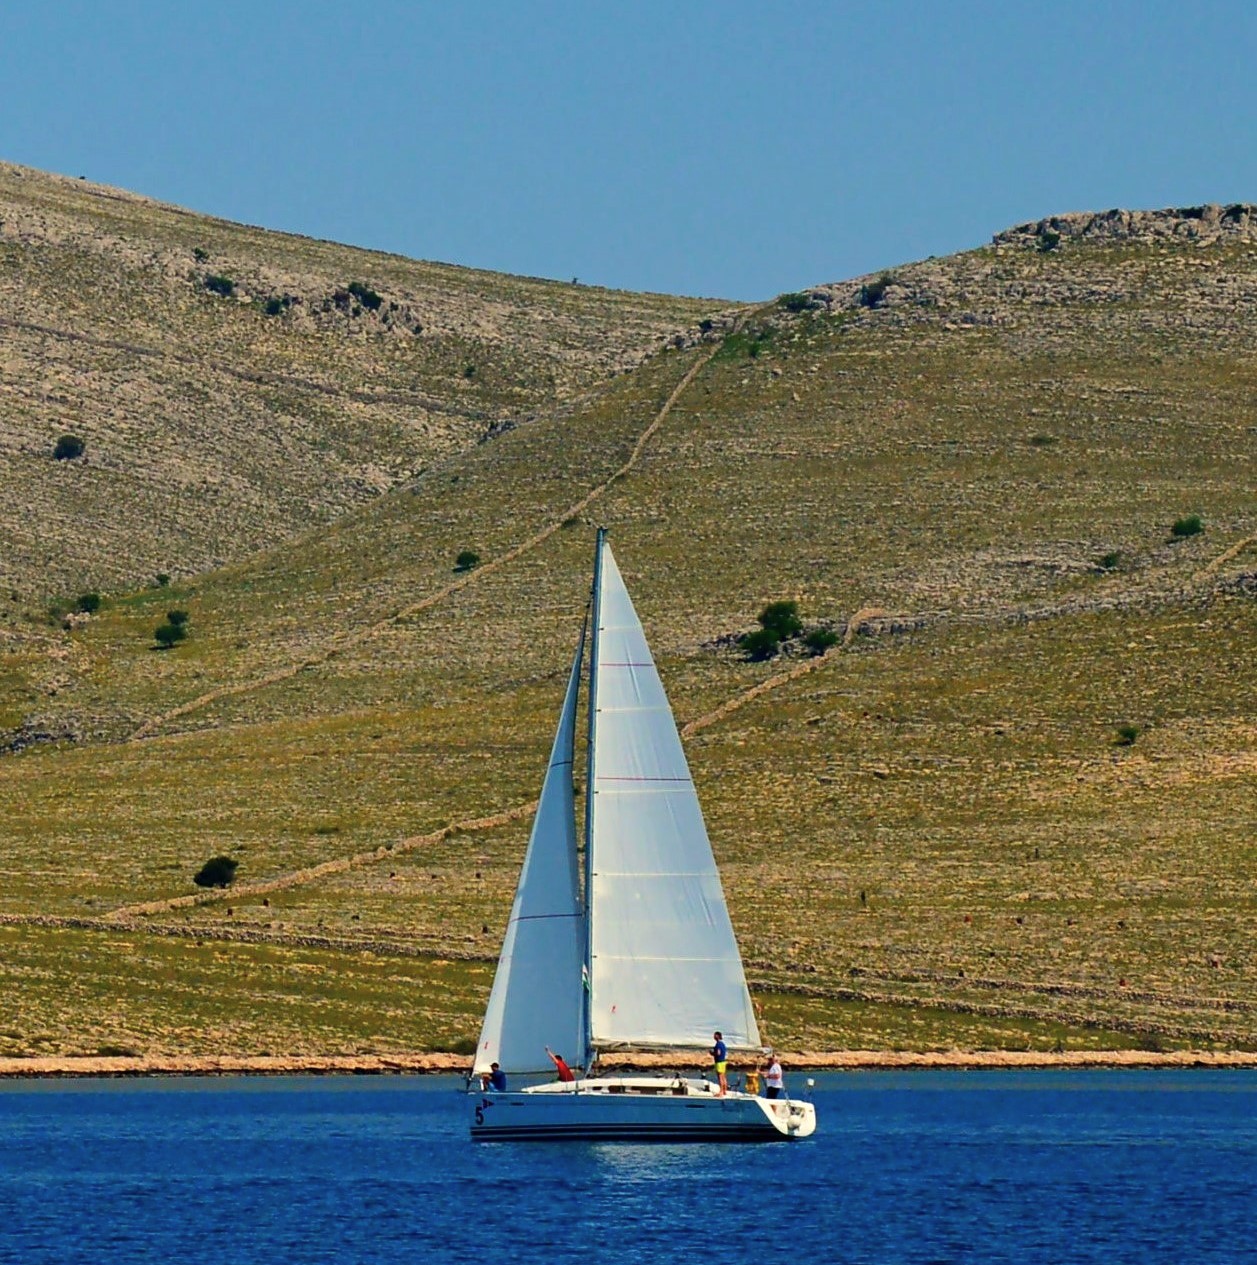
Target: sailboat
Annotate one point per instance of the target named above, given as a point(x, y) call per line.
point(636, 953)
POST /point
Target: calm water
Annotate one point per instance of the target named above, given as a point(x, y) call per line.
point(907, 1167)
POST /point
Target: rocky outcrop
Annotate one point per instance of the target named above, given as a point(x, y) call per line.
point(1194, 223)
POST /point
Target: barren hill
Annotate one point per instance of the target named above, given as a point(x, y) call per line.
point(1011, 806)
point(234, 386)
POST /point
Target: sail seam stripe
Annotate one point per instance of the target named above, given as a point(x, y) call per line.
point(612, 778)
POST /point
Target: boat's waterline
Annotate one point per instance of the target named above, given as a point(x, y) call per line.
point(636, 1109)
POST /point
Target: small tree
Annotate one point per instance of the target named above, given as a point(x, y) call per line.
point(782, 618)
point(162, 579)
point(216, 872)
point(365, 295)
point(759, 645)
point(219, 285)
point(466, 560)
point(873, 293)
point(1126, 735)
point(87, 603)
point(1191, 525)
point(69, 447)
point(797, 302)
point(168, 635)
point(178, 618)
point(818, 640)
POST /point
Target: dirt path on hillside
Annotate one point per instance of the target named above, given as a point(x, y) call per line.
point(854, 624)
point(348, 641)
point(337, 865)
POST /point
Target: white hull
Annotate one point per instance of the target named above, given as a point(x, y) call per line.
point(636, 1108)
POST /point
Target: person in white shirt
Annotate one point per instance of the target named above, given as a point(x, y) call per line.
point(774, 1083)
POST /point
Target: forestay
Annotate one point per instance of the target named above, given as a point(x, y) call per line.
point(537, 998)
point(664, 965)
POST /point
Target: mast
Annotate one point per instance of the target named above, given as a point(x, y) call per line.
point(587, 983)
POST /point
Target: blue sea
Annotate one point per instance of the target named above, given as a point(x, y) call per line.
point(906, 1167)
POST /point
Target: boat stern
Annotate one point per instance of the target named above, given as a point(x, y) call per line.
point(789, 1116)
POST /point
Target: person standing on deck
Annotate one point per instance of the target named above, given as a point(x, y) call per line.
point(774, 1083)
point(565, 1073)
point(720, 1058)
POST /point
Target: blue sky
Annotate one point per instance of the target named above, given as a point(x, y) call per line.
point(729, 149)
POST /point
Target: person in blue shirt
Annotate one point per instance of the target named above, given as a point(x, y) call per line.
point(496, 1079)
point(720, 1057)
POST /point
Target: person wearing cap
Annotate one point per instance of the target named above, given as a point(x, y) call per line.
point(720, 1057)
point(495, 1080)
point(774, 1082)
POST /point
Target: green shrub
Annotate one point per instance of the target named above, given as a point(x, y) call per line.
point(87, 603)
point(274, 307)
point(782, 619)
point(224, 286)
point(366, 296)
point(759, 645)
point(1109, 561)
point(818, 640)
point(217, 872)
point(873, 293)
point(797, 302)
point(68, 448)
point(466, 560)
point(161, 579)
point(1049, 239)
point(178, 618)
point(168, 635)
point(1126, 735)
point(1191, 525)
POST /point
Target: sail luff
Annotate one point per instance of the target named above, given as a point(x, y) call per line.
point(591, 746)
point(537, 997)
point(664, 967)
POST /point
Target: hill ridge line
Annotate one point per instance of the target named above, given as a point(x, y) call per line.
point(352, 640)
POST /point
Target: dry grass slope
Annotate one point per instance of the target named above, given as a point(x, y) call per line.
point(934, 835)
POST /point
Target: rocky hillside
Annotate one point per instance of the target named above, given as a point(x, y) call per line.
point(233, 386)
point(1007, 805)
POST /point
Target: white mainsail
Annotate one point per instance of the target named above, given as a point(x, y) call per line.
point(538, 998)
point(664, 965)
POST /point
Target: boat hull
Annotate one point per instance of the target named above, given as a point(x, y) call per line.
point(637, 1109)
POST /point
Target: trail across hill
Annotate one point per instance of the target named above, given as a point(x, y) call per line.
point(348, 641)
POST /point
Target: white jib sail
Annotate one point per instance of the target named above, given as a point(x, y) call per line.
point(664, 964)
point(538, 998)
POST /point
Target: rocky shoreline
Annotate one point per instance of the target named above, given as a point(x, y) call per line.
point(60, 1066)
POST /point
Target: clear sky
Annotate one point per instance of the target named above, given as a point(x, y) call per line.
point(734, 149)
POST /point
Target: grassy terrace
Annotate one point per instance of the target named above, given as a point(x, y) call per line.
point(935, 838)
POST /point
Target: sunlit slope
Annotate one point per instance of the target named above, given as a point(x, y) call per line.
point(234, 386)
point(933, 836)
